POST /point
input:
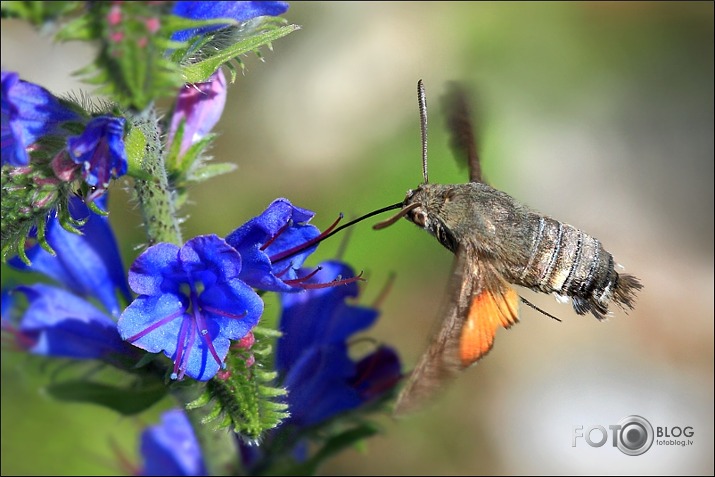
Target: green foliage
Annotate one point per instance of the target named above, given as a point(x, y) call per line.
point(131, 66)
point(39, 13)
point(246, 401)
point(29, 195)
point(191, 166)
point(238, 42)
point(126, 400)
point(332, 446)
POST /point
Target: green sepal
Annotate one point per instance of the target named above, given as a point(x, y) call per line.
point(127, 401)
point(95, 208)
point(200, 71)
point(42, 239)
point(191, 166)
point(246, 401)
point(131, 66)
point(29, 195)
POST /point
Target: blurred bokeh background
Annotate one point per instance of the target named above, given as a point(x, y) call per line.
point(598, 114)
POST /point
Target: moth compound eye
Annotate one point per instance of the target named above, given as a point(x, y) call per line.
point(419, 217)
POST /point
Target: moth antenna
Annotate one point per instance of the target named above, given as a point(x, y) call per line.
point(396, 217)
point(538, 309)
point(422, 102)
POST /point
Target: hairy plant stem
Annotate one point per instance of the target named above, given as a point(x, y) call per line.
point(156, 198)
point(157, 203)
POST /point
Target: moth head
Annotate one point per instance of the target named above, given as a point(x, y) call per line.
point(428, 208)
point(411, 209)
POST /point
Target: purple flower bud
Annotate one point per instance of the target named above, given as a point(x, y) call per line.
point(100, 151)
point(199, 106)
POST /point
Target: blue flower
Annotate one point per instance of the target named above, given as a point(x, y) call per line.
point(100, 151)
point(171, 447)
point(61, 320)
point(89, 265)
point(191, 303)
point(200, 107)
point(275, 244)
point(314, 365)
point(312, 354)
point(60, 324)
point(29, 112)
point(238, 11)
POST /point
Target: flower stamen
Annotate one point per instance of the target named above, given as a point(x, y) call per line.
point(299, 248)
point(298, 281)
point(277, 234)
point(155, 325)
point(225, 314)
point(285, 270)
point(333, 283)
point(182, 349)
point(201, 323)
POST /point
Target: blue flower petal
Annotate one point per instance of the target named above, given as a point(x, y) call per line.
point(332, 320)
point(190, 305)
point(89, 264)
point(238, 11)
point(312, 353)
point(100, 150)
point(171, 447)
point(281, 227)
point(144, 312)
point(64, 325)
point(318, 387)
point(209, 257)
point(377, 373)
point(158, 271)
point(29, 112)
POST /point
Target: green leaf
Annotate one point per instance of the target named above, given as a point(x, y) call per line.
point(211, 170)
point(332, 446)
point(126, 401)
point(199, 72)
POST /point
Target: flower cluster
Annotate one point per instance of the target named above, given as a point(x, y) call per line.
point(31, 115)
point(63, 319)
point(185, 320)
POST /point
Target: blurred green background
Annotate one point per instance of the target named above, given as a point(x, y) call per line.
point(598, 114)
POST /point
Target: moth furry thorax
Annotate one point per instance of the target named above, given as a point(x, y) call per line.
point(525, 247)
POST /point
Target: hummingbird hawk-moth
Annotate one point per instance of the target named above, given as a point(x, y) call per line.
point(497, 243)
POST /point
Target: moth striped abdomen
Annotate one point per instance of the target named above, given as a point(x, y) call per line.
point(568, 262)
